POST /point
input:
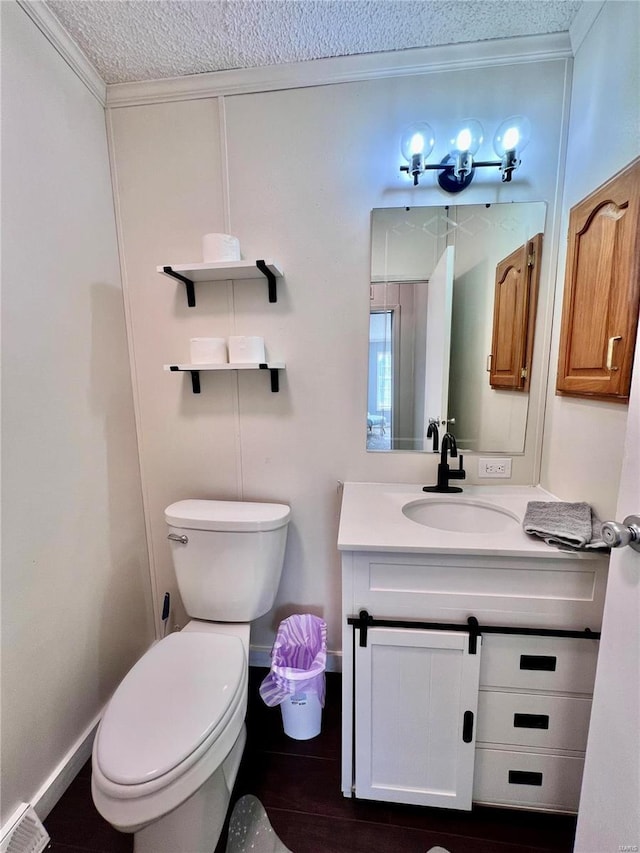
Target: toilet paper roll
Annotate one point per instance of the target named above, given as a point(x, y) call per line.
point(220, 247)
point(243, 349)
point(208, 351)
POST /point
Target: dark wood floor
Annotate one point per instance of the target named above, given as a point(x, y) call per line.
point(298, 782)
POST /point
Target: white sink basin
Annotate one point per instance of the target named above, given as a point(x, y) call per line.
point(460, 515)
point(401, 518)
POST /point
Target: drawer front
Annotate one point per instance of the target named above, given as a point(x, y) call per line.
point(552, 593)
point(536, 720)
point(527, 779)
point(556, 664)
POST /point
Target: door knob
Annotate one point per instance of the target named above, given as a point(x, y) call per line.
point(628, 533)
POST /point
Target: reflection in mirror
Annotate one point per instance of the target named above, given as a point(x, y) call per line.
point(452, 313)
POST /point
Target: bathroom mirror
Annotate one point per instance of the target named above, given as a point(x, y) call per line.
point(452, 304)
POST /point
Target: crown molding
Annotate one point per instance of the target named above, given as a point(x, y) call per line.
point(583, 21)
point(60, 39)
point(344, 69)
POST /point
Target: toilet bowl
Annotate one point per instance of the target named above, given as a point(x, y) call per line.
point(168, 747)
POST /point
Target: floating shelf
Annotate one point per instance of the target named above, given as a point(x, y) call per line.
point(223, 271)
point(194, 369)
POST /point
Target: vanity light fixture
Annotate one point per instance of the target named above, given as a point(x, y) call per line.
point(457, 168)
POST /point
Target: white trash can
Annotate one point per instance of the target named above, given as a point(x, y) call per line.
point(302, 715)
point(296, 680)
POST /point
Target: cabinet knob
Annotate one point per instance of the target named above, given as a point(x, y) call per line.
point(618, 535)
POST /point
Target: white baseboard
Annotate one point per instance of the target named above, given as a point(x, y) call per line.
point(261, 656)
point(57, 783)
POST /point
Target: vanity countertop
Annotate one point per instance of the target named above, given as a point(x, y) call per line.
point(372, 519)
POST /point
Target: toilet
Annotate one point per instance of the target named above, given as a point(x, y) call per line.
point(168, 747)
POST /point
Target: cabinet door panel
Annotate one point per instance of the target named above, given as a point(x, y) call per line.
point(602, 290)
point(514, 307)
point(413, 689)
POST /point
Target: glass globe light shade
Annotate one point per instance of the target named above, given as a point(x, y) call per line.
point(512, 135)
point(417, 139)
point(467, 138)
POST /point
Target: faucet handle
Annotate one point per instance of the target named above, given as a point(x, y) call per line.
point(458, 473)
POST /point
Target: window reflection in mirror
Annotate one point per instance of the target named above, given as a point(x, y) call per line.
point(380, 406)
point(435, 328)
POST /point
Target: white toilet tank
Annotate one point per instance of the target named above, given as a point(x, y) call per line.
point(228, 556)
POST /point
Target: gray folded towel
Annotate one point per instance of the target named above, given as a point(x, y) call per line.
point(569, 526)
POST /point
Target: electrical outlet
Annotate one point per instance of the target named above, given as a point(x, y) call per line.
point(494, 467)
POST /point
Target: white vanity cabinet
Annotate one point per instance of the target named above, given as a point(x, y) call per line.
point(438, 712)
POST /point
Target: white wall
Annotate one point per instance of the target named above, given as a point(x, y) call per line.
point(75, 606)
point(294, 174)
point(585, 460)
point(583, 439)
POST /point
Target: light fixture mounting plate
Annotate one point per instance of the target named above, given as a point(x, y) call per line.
point(448, 181)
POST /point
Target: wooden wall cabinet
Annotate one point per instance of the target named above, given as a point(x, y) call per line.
point(602, 291)
point(514, 317)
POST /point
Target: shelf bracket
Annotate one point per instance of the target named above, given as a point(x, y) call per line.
point(195, 377)
point(275, 379)
point(271, 281)
point(191, 291)
point(195, 381)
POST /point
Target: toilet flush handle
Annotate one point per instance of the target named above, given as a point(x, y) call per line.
point(176, 538)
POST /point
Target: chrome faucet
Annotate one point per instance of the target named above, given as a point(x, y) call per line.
point(449, 447)
point(432, 432)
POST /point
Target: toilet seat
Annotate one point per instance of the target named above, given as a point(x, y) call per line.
point(174, 706)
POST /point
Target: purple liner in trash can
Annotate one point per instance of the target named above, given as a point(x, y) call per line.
point(298, 659)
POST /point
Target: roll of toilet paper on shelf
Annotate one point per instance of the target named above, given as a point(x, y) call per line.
point(246, 349)
point(208, 351)
point(220, 247)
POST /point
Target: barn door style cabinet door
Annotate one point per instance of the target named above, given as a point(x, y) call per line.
point(416, 698)
point(602, 291)
point(514, 317)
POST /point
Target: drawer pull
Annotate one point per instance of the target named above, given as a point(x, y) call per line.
point(525, 777)
point(543, 663)
point(467, 727)
point(531, 721)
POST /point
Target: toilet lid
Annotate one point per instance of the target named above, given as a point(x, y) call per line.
point(168, 704)
point(229, 516)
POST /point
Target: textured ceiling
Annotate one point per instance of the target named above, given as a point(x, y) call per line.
point(129, 40)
